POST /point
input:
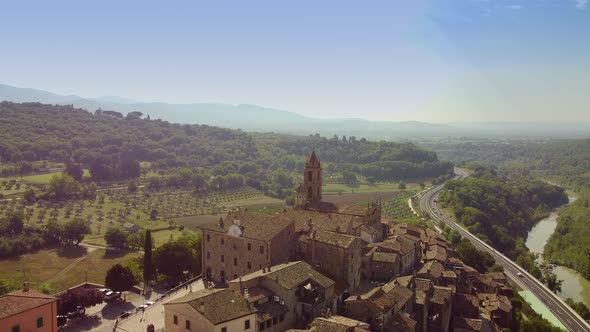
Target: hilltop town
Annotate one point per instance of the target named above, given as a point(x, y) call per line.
point(315, 268)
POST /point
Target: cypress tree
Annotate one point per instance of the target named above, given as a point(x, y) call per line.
point(147, 257)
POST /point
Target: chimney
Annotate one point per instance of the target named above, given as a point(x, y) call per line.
point(264, 270)
point(25, 286)
point(246, 294)
point(221, 222)
point(269, 268)
point(202, 306)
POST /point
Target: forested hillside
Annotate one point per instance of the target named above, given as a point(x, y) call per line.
point(113, 145)
point(501, 210)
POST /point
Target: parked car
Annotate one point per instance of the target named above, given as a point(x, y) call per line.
point(111, 296)
point(80, 310)
point(62, 320)
point(125, 314)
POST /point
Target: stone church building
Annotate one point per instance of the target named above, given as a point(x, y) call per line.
point(314, 231)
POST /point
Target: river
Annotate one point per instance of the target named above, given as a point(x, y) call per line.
point(574, 285)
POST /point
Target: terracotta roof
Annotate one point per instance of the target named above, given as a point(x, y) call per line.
point(400, 322)
point(20, 301)
point(269, 309)
point(335, 239)
point(338, 323)
point(468, 324)
point(436, 253)
point(423, 287)
point(385, 257)
point(217, 305)
point(258, 293)
point(290, 275)
point(405, 280)
point(386, 297)
point(499, 276)
point(492, 302)
point(321, 206)
point(313, 159)
point(441, 295)
point(431, 270)
point(465, 302)
point(253, 225)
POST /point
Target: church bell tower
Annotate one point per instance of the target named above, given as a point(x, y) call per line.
point(312, 179)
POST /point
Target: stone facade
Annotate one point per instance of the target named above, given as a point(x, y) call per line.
point(337, 255)
point(248, 243)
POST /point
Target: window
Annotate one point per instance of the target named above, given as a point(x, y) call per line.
point(208, 238)
point(235, 261)
point(247, 324)
point(222, 241)
point(249, 266)
point(222, 258)
point(249, 247)
point(268, 323)
point(175, 320)
point(281, 317)
point(16, 328)
point(309, 176)
point(261, 326)
point(39, 322)
point(188, 324)
point(224, 329)
point(262, 249)
point(275, 321)
point(208, 255)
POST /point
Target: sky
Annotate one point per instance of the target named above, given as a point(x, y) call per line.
point(434, 61)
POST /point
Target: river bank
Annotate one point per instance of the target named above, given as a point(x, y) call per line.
point(574, 285)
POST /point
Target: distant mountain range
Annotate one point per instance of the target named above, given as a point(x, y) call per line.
point(262, 119)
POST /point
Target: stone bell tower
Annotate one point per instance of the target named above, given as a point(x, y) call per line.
point(312, 179)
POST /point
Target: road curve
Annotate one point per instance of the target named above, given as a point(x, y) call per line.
point(568, 317)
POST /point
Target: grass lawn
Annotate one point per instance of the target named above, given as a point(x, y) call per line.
point(335, 188)
point(163, 236)
point(60, 269)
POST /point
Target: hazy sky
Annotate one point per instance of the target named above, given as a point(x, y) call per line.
point(437, 61)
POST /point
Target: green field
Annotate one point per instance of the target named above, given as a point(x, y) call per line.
point(163, 236)
point(60, 270)
point(337, 188)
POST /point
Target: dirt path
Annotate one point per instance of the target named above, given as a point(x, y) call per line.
point(69, 267)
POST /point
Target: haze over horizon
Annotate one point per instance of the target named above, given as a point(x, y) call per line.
point(431, 61)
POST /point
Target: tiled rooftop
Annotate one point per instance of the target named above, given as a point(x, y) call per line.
point(290, 275)
point(335, 239)
point(20, 301)
point(254, 225)
point(217, 305)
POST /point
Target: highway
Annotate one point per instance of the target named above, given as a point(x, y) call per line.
point(569, 318)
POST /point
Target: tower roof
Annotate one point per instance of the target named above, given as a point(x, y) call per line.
point(313, 159)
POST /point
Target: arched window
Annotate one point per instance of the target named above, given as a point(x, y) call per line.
point(309, 192)
point(309, 176)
